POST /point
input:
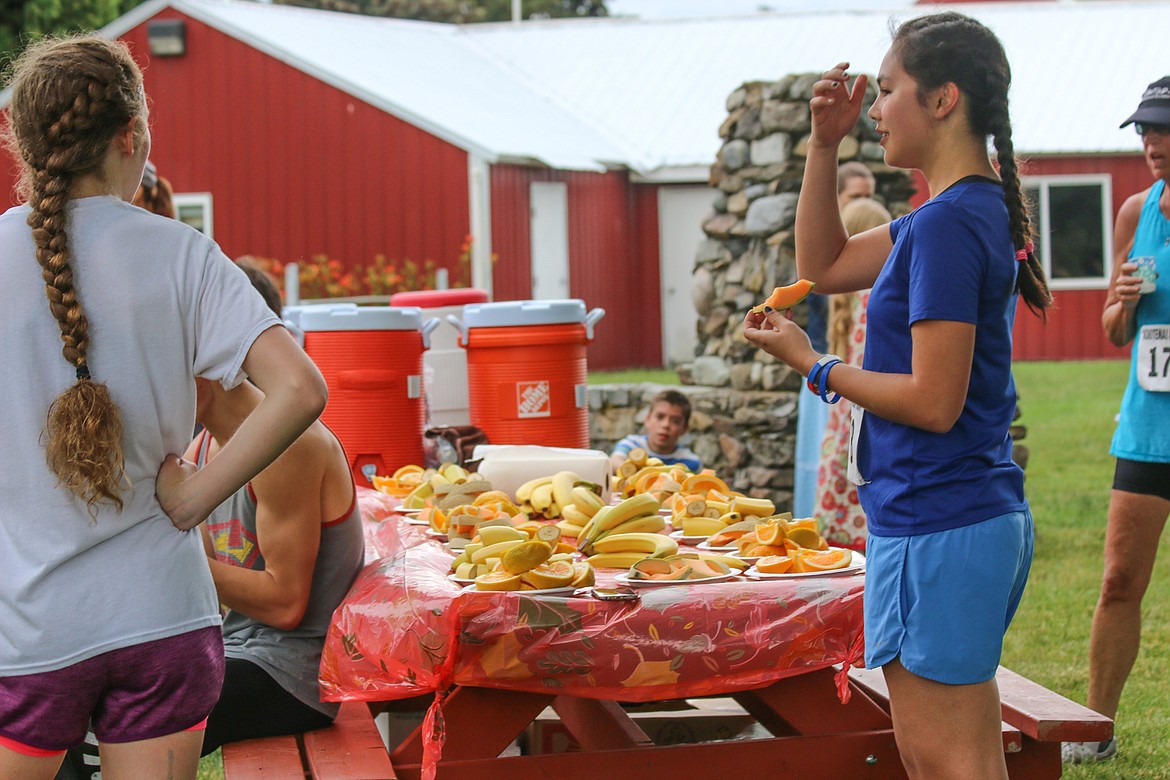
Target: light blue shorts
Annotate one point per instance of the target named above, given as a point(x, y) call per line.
point(941, 602)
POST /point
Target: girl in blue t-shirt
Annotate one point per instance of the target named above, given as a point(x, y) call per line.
point(950, 532)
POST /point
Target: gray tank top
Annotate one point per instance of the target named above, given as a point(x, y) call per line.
point(291, 658)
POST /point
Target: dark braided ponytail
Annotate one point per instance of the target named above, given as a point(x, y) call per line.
point(70, 97)
point(949, 47)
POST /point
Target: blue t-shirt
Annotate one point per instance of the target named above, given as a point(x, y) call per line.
point(952, 260)
point(1143, 430)
point(680, 455)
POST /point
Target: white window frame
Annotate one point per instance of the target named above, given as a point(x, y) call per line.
point(1042, 183)
point(203, 201)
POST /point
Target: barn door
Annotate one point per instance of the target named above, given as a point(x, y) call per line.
point(550, 240)
point(681, 211)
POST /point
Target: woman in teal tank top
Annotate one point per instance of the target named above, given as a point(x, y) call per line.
point(1137, 312)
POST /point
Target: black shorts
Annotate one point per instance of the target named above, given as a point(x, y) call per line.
point(1145, 479)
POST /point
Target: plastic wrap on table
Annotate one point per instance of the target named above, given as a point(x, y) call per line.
point(386, 530)
point(406, 630)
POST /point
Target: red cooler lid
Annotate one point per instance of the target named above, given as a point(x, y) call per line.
point(434, 299)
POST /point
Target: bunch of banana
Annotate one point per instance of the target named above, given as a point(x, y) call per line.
point(637, 514)
point(548, 496)
point(621, 551)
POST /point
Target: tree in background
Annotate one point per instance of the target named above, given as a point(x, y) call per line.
point(459, 11)
point(33, 19)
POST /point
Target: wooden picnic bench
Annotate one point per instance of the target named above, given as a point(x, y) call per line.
point(1035, 721)
point(350, 749)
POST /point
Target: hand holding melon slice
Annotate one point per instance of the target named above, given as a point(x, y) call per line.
point(786, 297)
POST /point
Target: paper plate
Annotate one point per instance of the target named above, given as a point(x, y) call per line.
point(679, 536)
point(706, 547)
point(433, 534)
point(624, 579)
point(855, 565)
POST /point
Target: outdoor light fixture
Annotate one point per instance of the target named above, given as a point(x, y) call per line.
point(168, 37)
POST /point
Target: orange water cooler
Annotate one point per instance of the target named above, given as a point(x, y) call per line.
point(526, 370)
point(371, 358)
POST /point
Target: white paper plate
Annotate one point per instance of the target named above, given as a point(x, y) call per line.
point(624, 579)
point(415, 520)
point(678, 536)
point(412, 510)
point(460, 580)
point(706, 547)
point(857, 564)
point(433, 534)
point(542, 592)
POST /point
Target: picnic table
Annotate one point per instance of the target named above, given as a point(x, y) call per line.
point(783, 649)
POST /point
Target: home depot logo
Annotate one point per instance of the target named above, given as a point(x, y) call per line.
point(533, 400)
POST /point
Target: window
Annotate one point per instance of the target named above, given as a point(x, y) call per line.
point(194, 208)
point(1071, 218)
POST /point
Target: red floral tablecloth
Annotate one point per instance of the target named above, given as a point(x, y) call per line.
point(405, 629)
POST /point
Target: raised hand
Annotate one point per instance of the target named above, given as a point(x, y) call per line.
point(835, 105)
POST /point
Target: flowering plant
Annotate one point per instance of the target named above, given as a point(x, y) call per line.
point(324, 277)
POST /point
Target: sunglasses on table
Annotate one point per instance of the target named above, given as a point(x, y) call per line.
point(1149, 127)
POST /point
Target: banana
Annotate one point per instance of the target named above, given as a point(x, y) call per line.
point(562, 487)
point(620, 560)
point(494, 534)
point(454, 472)
point(760, 507)
point(494, 550)
point(541, 496)
point(524, 492)
point(574, 515)
point(417, 498)
point(730, 518)
point(569, 528)
point(654, 545)
point(701, 526)
point(586, 500)
point(646, 524)
point(628, 509)
point(729, 560)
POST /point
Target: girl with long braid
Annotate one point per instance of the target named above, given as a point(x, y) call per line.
point(950, 532)
point(107, 608)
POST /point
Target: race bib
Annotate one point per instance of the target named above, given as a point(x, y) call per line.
point(853, 474)
point(1153, 358)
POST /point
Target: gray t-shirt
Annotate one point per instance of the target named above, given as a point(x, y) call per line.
point(164, 306)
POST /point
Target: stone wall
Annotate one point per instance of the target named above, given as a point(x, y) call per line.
point(747, 436)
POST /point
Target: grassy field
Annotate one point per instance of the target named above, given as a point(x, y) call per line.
point(1069, 411)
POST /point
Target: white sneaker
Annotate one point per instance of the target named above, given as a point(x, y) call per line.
point(1088, 752)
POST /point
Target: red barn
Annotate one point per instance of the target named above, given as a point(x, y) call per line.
point(575, 152)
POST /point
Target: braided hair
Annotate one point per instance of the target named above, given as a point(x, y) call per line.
point(949, 47)
point(70, 97)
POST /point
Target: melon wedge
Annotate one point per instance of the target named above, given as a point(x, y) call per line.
point(786, 297)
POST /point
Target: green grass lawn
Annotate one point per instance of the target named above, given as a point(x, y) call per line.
point(1069, 410)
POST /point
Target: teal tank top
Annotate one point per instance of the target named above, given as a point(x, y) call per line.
point(1143, 428)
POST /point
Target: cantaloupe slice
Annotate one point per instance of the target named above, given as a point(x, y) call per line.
point(786, 297)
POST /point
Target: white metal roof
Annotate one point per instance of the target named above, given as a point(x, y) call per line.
point(650, 93)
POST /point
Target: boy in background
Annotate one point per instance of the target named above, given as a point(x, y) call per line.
point(667, 421)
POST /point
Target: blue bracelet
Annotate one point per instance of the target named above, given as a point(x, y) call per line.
point(825, 384)
point(817, 374)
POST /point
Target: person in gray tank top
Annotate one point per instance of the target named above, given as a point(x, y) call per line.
point(283, 553)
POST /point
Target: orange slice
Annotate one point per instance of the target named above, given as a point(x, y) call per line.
point(703, 483)
point(498, 580)
point(774, 564)
point(823, 561)
point(805, 537)
point(771, 532)
point(557, 574)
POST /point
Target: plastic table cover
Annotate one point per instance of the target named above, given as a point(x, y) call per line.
point(405, 630)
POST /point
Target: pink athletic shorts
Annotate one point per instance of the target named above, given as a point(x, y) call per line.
point(133, 693)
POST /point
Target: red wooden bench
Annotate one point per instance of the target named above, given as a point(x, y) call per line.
point(350, 749)
point(1035, 721)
